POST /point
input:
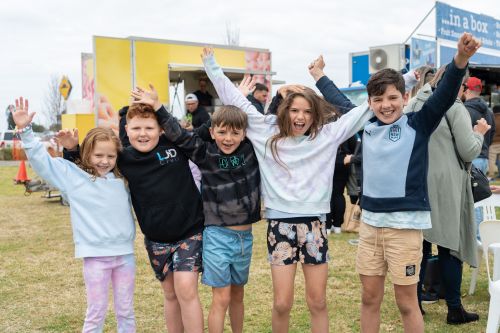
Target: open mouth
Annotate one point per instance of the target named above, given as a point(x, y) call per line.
point(102, 169)
point(299, 126)
point(227, 145)
point(387, 113)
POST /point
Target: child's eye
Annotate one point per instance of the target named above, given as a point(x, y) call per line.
point(308, 111)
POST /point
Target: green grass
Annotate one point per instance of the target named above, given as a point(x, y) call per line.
point(42, 290)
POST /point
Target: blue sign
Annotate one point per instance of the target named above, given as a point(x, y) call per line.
point(423, 53)
point(447, 53)
point(452, 22)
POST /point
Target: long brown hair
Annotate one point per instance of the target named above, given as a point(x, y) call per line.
point(439, 75)
point(322, 112)
point(95, 135)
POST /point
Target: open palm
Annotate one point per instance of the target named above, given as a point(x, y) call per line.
point(21, 116)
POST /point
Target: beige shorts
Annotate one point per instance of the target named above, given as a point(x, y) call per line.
point(398, 251)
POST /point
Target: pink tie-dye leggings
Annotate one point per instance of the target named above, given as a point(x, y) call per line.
point(98, 272)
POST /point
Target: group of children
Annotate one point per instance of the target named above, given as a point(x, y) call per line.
point(288, 158)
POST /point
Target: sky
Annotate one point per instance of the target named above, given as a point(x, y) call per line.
point(45, 38)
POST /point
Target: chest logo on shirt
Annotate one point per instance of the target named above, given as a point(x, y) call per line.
point(231, 162)
point(168, 156)
point(395, 133)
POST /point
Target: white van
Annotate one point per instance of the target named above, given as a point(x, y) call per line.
point(6, 139)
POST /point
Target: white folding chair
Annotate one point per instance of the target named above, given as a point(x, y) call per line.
point(490, 234)
point(488, 206)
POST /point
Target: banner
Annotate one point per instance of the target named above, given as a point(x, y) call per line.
point(452, 22)
point(423, 53)
point(88, 78)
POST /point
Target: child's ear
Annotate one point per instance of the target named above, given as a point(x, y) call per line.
point(211, 130)
point(406, 97)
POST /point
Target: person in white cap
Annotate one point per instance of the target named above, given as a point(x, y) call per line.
point(199, 115)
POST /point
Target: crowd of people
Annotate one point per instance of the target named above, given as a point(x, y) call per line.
point(197, 187)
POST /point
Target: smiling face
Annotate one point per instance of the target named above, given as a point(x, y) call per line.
point(226, 138)
point(300, 116)
point(191, 106)
point(143, 133)
point(103, 157)
point(388, 107)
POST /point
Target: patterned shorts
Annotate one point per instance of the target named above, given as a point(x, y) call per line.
point(181, 256)
point(289, 243)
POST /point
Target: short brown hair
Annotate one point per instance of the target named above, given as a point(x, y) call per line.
point(378, 82)
point(230, 116)
point(93, 136)
point(141, 110)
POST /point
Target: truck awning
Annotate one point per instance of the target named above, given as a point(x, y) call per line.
point(199, 68)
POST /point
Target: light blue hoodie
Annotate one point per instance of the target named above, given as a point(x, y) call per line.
point(101, 213)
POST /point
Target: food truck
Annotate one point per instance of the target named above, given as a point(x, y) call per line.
point(174, 68)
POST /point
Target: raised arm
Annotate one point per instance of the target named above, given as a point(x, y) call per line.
point(447, 90)
point(259, 126)
point(188, 142)
point(327, 88)
point(53, 170)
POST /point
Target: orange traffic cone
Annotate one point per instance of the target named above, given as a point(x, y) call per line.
point(22, 176)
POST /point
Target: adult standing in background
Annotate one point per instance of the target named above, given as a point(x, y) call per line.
point(204, 97)
point(199, 115)
point(479, 109)
point(494, 150)
point(259, 97)
point(453, 227)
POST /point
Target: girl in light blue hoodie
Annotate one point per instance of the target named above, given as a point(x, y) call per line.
point(101, 217)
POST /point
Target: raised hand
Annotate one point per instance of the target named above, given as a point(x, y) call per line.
point(21, 116)
point(316, 68)
point(149, 97)
point(67, 138)
point(247, 85)
point(466, 47)
point(207, 53)
point(482, 126)
point(290, 88)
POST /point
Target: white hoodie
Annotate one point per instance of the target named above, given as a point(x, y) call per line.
point(304, 187)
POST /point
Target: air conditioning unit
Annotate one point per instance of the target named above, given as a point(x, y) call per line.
point(387, 56)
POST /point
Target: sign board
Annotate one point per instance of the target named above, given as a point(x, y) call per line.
point(452, 22)
point(446, 54)
point(65, 87)
point(423, 53)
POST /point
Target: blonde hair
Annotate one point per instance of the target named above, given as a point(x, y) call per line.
point(98, 134)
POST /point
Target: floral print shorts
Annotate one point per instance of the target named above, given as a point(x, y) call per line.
point(181, 256)
point(289, 243)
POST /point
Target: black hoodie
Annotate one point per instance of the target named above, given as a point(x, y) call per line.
point(479, 109)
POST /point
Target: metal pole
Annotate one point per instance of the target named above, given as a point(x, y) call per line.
point(422, 21)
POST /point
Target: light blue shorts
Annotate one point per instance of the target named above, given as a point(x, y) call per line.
point(226, 256)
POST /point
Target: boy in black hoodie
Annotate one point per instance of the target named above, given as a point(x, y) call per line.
point(231, 202)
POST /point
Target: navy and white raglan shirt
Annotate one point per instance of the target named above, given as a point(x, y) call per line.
point(395, 161)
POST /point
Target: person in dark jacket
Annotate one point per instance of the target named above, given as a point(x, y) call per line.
point(198, 114)
point(259, 97)
point(204, 97)
point(479, 109)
